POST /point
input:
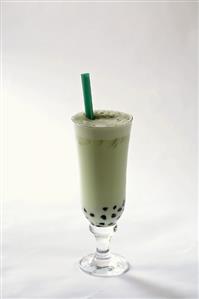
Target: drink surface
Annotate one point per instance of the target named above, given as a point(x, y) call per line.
point(103, 118)
point(102, 149)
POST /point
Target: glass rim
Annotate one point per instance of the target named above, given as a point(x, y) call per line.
point(128, 121)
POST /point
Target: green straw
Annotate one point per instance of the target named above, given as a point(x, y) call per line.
point(86, 86)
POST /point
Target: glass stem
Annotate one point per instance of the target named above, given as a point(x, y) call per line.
point(103, 237)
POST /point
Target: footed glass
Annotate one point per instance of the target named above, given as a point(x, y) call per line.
point(102, 149)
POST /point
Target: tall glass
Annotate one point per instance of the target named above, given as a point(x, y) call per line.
point(102, 151)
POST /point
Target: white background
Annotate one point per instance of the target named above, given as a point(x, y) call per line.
point(142, 58)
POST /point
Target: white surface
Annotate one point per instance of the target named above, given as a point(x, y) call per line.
point(46, 240)
point(143, 59)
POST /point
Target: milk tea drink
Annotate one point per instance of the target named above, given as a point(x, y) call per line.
point(102, 148)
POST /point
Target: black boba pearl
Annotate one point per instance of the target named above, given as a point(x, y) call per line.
point(114, 207)
point(113, 215)
point(118, 217)
point(103, 217)
point(92, 215)
point(119, 209)
point(101, 223)
point(110, 223)
point(85, 210)
point(105, 208)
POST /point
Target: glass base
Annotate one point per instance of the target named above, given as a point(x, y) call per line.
point(114, 266)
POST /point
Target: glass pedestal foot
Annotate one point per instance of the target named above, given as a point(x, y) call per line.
point(103, 262)
point(114, 266)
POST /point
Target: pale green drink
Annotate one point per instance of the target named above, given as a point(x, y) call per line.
point(102, 148)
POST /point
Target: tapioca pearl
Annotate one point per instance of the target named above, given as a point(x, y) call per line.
point(111, 223)
point(114, 207)
point(103, 217)
point(101, 223)
point(105, 209)
point(92, 215)
point(119, 210)
point(118, 217)
point(85, 210)
point(113, 215)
